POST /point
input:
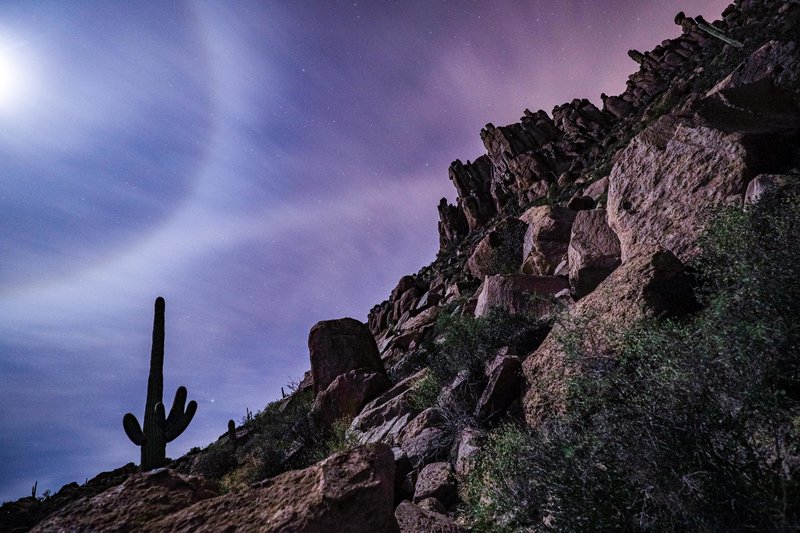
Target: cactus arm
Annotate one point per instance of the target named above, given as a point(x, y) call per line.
point(179, 419)
point(132, 429)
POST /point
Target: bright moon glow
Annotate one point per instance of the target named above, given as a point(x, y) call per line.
point(15, 78)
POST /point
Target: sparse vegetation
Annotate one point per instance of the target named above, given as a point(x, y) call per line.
point(467, 343)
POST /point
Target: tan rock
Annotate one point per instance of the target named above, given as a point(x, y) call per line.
point(424, 439)
point(382, 419)
point(593, 252)
point(547, 238)
point(652, 284)
point(669, 177)
point(351, 492)
point(513, 292)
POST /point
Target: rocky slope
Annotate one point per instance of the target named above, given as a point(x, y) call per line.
point(586, 214)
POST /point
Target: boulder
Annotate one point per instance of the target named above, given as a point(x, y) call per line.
point(339, 346)
point(347, 394)
point(546, 239)
point(593, 252)
point(668, 178)
point(351, 491)
point(503, 389)
point(424, 440)
point(136, 504)
point(513, 292)
point(436, 480)
point(413, 519)
point(649, 285)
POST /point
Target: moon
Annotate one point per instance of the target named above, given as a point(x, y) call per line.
point(15, 77)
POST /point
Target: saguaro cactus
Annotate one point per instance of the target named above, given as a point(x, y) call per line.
point(158, 429)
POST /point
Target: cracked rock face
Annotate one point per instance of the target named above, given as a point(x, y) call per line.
point(671, 175)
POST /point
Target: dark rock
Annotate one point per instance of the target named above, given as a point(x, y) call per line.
point(339, 346)
point(436, 480)
point(412, 519)
point(347, 394)
point(503, 389)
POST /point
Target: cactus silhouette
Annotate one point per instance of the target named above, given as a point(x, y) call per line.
point(158, 429)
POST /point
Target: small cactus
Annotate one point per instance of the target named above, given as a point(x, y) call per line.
point(159, 429)
point(232, 432)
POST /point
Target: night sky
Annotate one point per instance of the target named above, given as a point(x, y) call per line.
point(261, 165)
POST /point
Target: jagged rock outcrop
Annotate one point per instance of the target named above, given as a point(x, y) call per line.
point(500, 249)
point(436, 480)
point(504, 388)
point(347, 394)
point(670, 175)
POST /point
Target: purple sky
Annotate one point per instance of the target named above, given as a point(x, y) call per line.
point(262, 165)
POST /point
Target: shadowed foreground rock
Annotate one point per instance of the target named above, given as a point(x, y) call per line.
point(131, 506)
point(348, 492)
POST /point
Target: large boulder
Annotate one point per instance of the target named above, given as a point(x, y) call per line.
point(351, 491)
point(136, 504)
point(339, 346)
point(546, 239)
point(669, 177)
point(649, 285)
point(514, 292)
point(593, 252)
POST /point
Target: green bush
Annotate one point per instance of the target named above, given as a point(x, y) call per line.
point(425, 392)
point(467, 343)
point(693, 425)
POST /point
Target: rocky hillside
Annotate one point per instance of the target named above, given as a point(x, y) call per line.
point(607, 339)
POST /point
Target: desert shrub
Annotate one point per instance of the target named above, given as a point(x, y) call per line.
point(425, 392)
point(334, 439)
point(467, 343)
point(279, 436)
point(692, 425)
point(508, 239)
